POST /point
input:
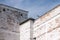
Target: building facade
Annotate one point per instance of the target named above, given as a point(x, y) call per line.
point(10, 18)
point(26, 29)
point(15, 25)
point(47, 27)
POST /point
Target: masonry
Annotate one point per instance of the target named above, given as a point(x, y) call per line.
point(15, 25)
point(47, 27)
point(10, 18)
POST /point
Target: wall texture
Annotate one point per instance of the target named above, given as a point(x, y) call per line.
point(26, 30)
point(47, 27)
point(10, 18)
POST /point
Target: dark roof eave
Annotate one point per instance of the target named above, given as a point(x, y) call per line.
point(26, 21)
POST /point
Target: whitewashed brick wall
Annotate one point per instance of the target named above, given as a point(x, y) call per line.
point(26, 31)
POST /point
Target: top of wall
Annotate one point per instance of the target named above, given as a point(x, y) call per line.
point(13, 8)
point(49, 11)
point(27, 20)
point(48, 15)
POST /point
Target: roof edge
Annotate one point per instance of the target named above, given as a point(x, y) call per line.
point(26, 21)
point(49, 11)
point(14, 8)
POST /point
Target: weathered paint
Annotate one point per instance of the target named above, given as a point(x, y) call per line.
point(10, 18)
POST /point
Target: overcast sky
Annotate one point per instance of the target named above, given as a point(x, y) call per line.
point(35, 7)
